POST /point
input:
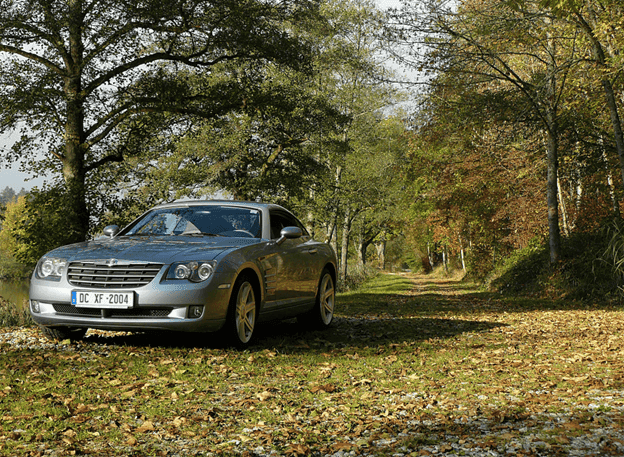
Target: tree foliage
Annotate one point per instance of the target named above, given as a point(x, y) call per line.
point(512, 109)
point(88, 81)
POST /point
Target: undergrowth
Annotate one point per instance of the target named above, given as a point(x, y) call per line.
point(358, 275)
point(591, 268)
point(11, 269)
point(14, 316)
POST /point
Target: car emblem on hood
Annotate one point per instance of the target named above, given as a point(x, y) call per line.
point(112, 262)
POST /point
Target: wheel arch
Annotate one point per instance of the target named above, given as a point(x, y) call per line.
point(332, 271)
point(254, 278)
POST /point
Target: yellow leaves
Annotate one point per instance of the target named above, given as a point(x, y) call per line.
point(12, 229)
point(576, 379)
point(147, 426)
point(263, 396)
point(130, 440)
point(342, 446)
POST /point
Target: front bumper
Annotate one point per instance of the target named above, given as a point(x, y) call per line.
point(159, 305)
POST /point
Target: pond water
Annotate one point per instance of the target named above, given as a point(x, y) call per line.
point(15, 291)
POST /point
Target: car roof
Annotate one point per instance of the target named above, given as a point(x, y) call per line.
point(240, 203)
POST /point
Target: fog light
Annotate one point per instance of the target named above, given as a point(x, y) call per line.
point(34, 306)
point(195, 312)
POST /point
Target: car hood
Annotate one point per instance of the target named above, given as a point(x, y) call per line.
point(153, 249)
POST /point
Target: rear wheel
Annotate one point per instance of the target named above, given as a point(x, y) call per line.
point(322, 314)
point(63, 333)
point(243, 312)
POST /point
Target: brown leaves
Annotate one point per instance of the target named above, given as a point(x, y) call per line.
point(147, 426)
point(328, 388)
point(297, 449)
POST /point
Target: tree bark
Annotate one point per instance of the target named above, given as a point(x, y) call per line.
point(551, 195)
point(381, 251)
point(74, 173)
point(344, 250)
point(563, 209)
point(362, 248)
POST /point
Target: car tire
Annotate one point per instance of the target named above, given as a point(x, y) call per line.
point(63, 333)
point(322, 314)
point(243, 313)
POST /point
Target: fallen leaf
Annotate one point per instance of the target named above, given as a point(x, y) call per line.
point(263, 396)
point(145, 427)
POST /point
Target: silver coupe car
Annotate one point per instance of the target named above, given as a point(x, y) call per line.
point(200, 266)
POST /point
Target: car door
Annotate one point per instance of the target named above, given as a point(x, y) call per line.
point(288, 267)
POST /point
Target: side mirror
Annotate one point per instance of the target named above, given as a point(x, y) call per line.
point(111, 230)
point(289, 233)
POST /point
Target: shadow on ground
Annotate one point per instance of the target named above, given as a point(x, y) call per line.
point(291, 336)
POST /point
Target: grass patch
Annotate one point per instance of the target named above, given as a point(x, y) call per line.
point(410, 363)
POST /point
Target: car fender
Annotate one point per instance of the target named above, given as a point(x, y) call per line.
point(236, 266)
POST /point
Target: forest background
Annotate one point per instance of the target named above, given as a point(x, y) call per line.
point(479, 136)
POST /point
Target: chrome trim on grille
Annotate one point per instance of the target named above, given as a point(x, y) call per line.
point(102, 275)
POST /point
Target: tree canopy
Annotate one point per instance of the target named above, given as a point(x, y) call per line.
point(88, 81)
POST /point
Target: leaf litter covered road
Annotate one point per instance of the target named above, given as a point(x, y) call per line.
point(413, 366)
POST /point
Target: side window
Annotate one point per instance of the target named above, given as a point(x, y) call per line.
point(279, 220)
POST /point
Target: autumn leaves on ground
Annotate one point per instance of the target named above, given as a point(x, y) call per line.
point(412, 366)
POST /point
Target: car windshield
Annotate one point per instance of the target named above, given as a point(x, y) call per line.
point(199, 221)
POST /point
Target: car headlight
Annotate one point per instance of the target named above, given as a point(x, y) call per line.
point(192, 271)
point(51, 268)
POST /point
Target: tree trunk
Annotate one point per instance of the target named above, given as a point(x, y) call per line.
point(614, 203)
point(332, 236)
point(615, 121)
point(362, 248)
point(344, 251)
point(551, 195)
point(562, 206)
point(381, 251)
point(462, 258)
point(73, 160)
point(430, 255)
point(552, 145)
point(588, 27)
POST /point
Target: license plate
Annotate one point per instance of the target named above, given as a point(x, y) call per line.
point(91, 299)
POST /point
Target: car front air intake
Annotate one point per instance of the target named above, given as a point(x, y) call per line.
point(110, 275)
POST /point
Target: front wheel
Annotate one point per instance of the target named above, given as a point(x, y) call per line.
point(243, 310)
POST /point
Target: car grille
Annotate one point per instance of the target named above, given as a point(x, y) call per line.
point(113, 313)
point(99, 275)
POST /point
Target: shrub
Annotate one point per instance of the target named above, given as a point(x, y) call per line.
point(592, 267)
point(12, 315)
point(356, 276)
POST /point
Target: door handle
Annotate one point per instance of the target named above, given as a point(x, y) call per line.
point(312, 251)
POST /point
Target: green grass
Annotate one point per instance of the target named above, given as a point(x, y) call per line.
point(408, 359)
